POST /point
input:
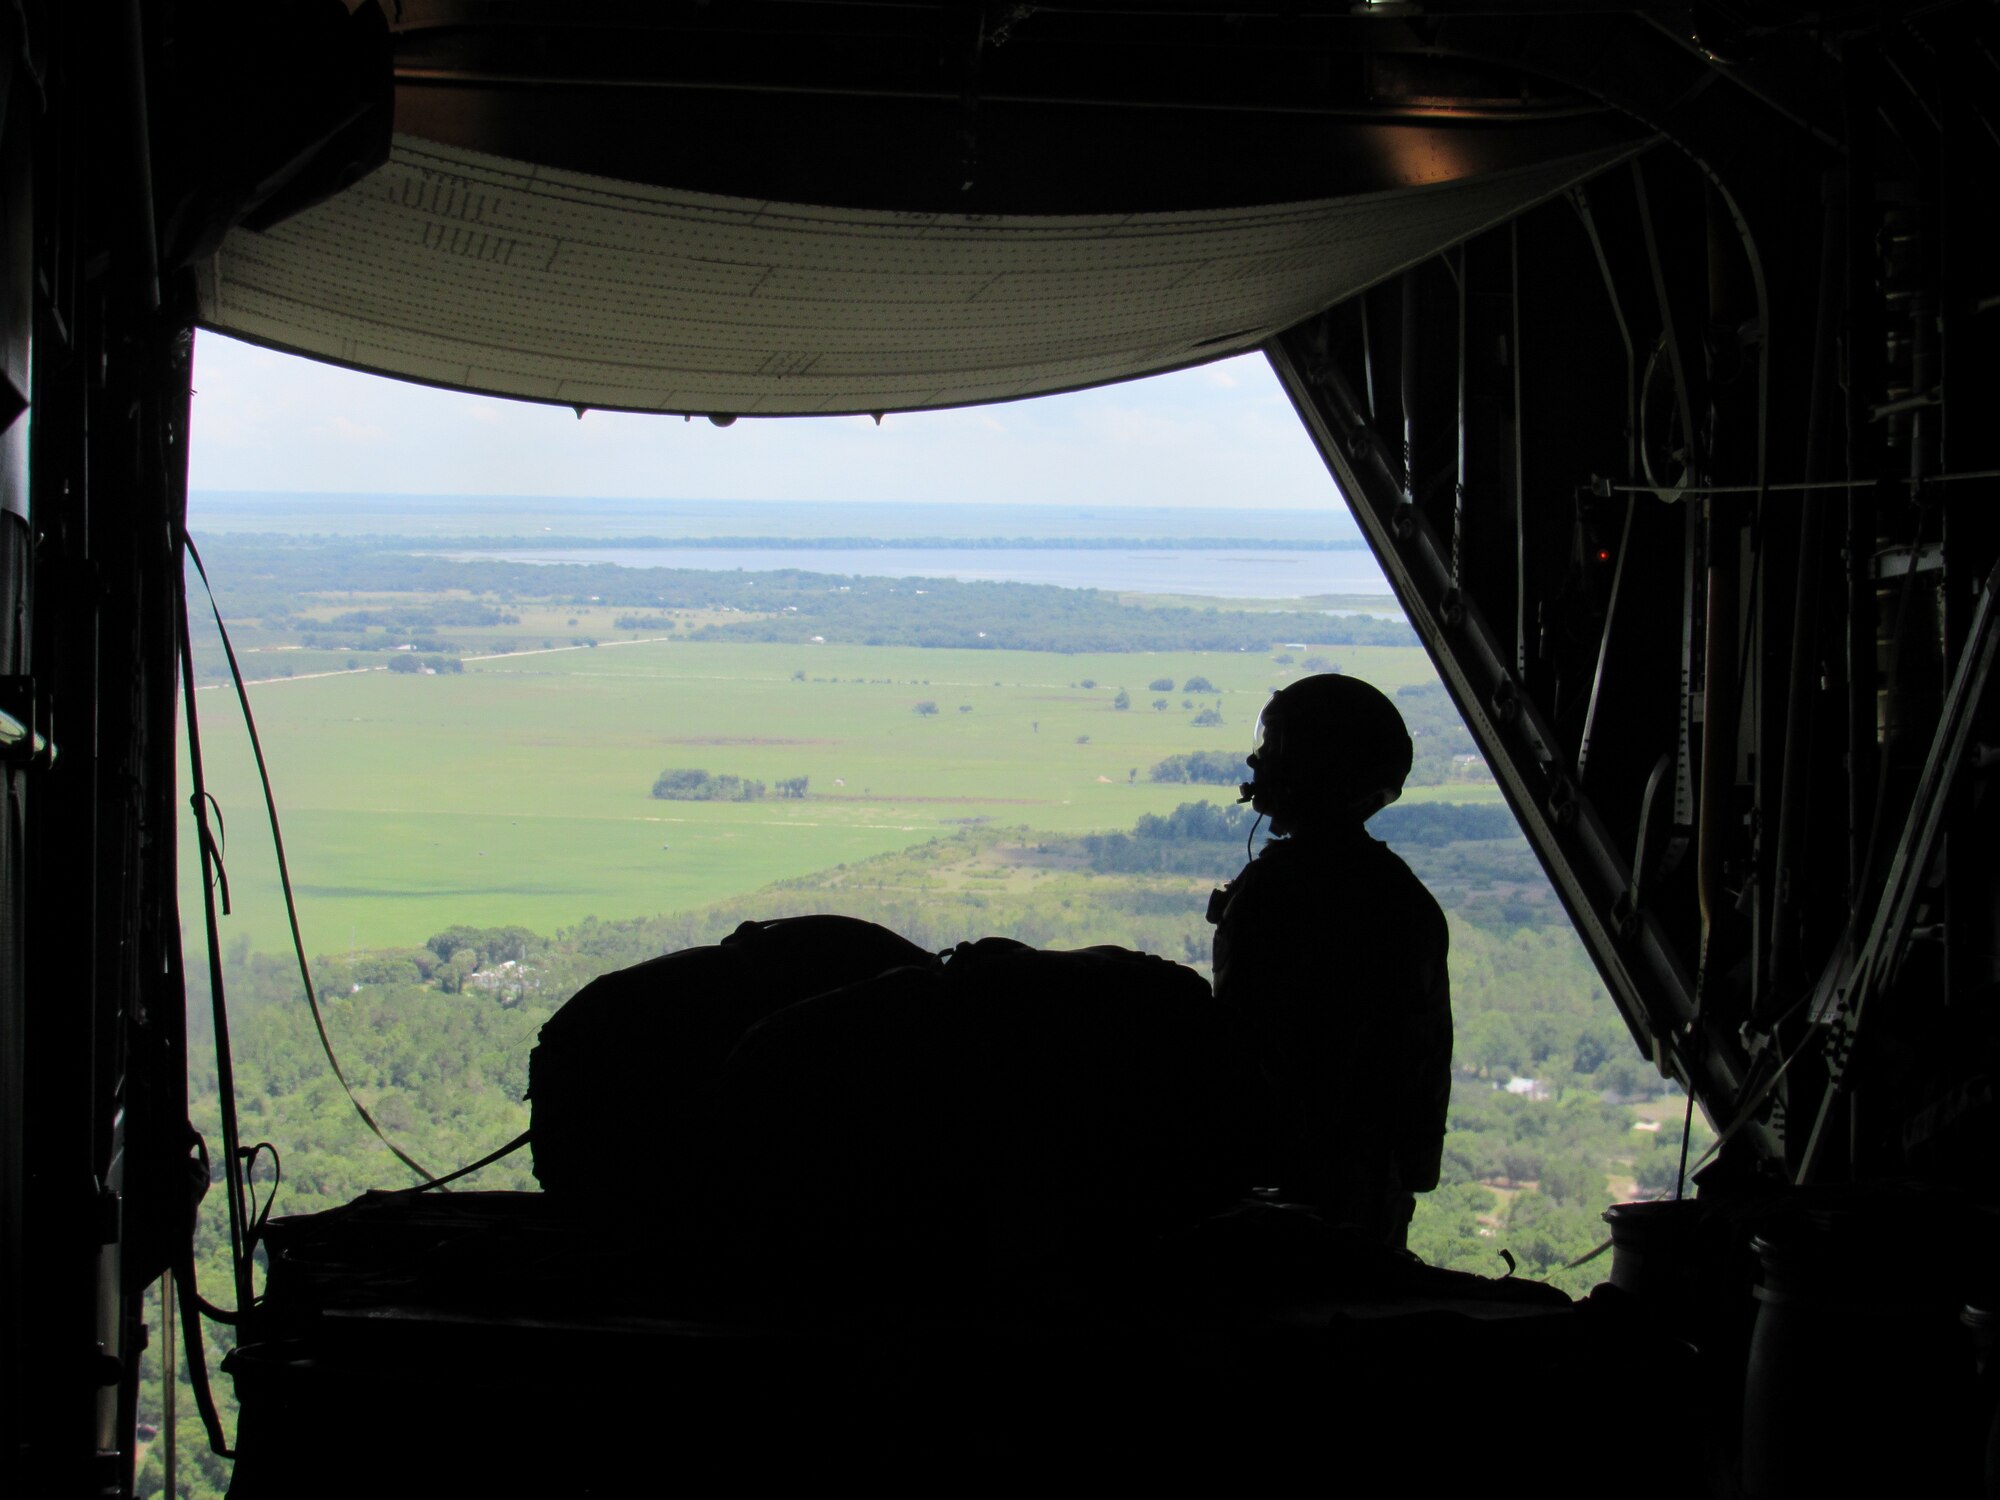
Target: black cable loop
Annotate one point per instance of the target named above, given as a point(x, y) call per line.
point(221, 828)
point(258, 1220)
point(216, 875)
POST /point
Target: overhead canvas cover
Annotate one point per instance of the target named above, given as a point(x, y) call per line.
point(461, 269)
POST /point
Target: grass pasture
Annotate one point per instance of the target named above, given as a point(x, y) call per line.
point(519, 790)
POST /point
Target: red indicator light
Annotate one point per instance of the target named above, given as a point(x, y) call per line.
point(1603, 555)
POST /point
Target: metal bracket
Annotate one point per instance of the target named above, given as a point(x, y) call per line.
point(1897, 562)
point(21, 743)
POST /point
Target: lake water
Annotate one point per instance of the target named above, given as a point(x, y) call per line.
point(1232, 573)
point(475, 517)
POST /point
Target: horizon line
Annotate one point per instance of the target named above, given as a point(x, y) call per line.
point(1335, 509)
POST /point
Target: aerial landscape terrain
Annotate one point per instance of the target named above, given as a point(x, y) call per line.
point(506, 763)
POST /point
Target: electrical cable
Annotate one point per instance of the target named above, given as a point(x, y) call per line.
point(469, 1168)
point(238, 1162)
point(193, 1306)
point(1589, 1255)
point(181, 1276)
point(225, 1068)
point(1456, 591)
point(1819, 1029)
point(284, 870)
point(1694, 1032)
point(1749, 1110)
point(1884, 764)
point(1687, 1125)
point(1701, 967)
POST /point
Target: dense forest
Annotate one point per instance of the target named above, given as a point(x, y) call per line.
point(1549, 1118)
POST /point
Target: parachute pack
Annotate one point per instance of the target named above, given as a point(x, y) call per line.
point(821, 1082)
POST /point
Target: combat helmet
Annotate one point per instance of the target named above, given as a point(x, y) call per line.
point(1328, 749)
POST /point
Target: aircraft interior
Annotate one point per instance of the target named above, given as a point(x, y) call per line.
point(1648, 341)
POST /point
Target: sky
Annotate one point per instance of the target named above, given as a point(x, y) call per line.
point(1223, 435)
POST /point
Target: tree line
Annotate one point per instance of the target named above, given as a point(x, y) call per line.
point(409, 661)
point(691, 785)
point(1442, 749)
point(266, 577)
point(1471, 855)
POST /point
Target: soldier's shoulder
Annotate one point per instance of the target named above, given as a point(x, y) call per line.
point(1391, 877)
point(1271, 877)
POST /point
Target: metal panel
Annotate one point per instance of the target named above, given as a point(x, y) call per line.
point(477, 272)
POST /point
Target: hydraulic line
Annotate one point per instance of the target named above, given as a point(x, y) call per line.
point(1718, 734)
point(1409, 387)
point(1784, 936)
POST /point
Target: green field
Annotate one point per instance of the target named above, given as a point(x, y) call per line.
point(519, 790)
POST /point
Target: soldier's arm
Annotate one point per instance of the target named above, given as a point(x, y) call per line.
point(1427, 1041)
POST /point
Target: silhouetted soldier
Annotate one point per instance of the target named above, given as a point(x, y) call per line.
point(1330, 958)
